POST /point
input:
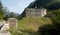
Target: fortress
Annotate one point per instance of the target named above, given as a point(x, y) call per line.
point(34, 12)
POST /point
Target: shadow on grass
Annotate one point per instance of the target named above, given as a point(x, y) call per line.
point(28, 32)
point(50, 29)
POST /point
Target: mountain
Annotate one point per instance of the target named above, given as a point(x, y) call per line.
point(48, 4)
point(7, 12)
point(16, 14)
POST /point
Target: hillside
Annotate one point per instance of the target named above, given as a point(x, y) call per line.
point(33, 23)
point(30, 25)
point(48, 4)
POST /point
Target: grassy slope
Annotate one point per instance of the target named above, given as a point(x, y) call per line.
point(32, 23)
point(1, 20)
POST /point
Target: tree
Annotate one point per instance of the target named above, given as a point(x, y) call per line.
point(47, 4)
point(53, 29)
point(12, 15)
point(1, 10)
point(6, 17)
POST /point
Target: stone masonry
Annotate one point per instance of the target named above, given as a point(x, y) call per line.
point(12, 23)
point(32, 12)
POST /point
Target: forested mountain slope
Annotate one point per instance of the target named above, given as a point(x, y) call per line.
point(48, 4)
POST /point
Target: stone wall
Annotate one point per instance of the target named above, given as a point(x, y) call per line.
point(13, 23)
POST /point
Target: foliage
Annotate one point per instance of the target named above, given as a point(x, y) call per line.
point(12, 15)
point(1, 10)
point(57, 15)
point(48, 4)
point(6, 17)
point(53, 29)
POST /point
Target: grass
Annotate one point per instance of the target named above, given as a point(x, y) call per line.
point(1, 20)
point(33, 23)
point(30, 25)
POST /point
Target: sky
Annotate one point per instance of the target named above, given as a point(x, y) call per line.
point(16, 6)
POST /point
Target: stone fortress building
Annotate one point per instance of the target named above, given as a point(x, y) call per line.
point(34, 12)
